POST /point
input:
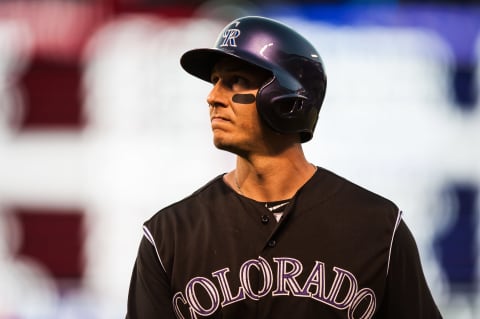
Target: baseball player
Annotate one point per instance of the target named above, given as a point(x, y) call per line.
point(277, 237)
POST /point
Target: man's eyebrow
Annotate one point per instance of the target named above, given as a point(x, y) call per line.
point(230, 69)
point(234, 67)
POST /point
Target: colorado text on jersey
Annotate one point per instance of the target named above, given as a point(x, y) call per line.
point(280, 281)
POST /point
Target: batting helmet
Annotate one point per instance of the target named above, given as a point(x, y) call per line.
point(290, 101)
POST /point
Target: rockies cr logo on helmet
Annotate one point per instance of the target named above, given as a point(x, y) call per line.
point(229, 38)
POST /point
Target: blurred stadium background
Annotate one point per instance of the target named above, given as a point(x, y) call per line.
point(100, 128)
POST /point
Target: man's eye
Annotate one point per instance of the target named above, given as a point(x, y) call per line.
point(239, 82)
point(214, 79)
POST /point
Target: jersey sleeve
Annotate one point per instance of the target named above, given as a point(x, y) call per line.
point(149, 295)
point(407, 295)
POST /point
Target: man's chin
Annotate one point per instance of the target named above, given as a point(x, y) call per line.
point(225, 146)
point(221, 145)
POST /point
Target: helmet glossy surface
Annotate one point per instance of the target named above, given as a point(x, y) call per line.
point(291, 100)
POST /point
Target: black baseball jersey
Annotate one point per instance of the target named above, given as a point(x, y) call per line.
point(338, 251)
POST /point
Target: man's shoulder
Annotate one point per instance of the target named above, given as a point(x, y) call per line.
point(347, 190)
point(199, 197)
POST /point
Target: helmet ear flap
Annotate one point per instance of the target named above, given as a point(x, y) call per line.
point(285, 110)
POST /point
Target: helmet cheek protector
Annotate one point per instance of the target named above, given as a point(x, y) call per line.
point(290, 101)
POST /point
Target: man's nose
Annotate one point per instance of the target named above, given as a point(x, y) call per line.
point(217, 96)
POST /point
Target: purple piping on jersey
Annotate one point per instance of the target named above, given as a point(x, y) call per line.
point(149, 236)
point(399, 219)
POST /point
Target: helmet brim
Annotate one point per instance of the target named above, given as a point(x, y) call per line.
point(200, 62)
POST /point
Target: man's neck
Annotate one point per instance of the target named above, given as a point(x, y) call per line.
point(270, 179)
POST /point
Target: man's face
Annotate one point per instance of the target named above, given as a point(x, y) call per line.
point(235, 122)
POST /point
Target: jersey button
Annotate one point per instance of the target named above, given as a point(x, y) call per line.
point(272, 243)
point(265, 219)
